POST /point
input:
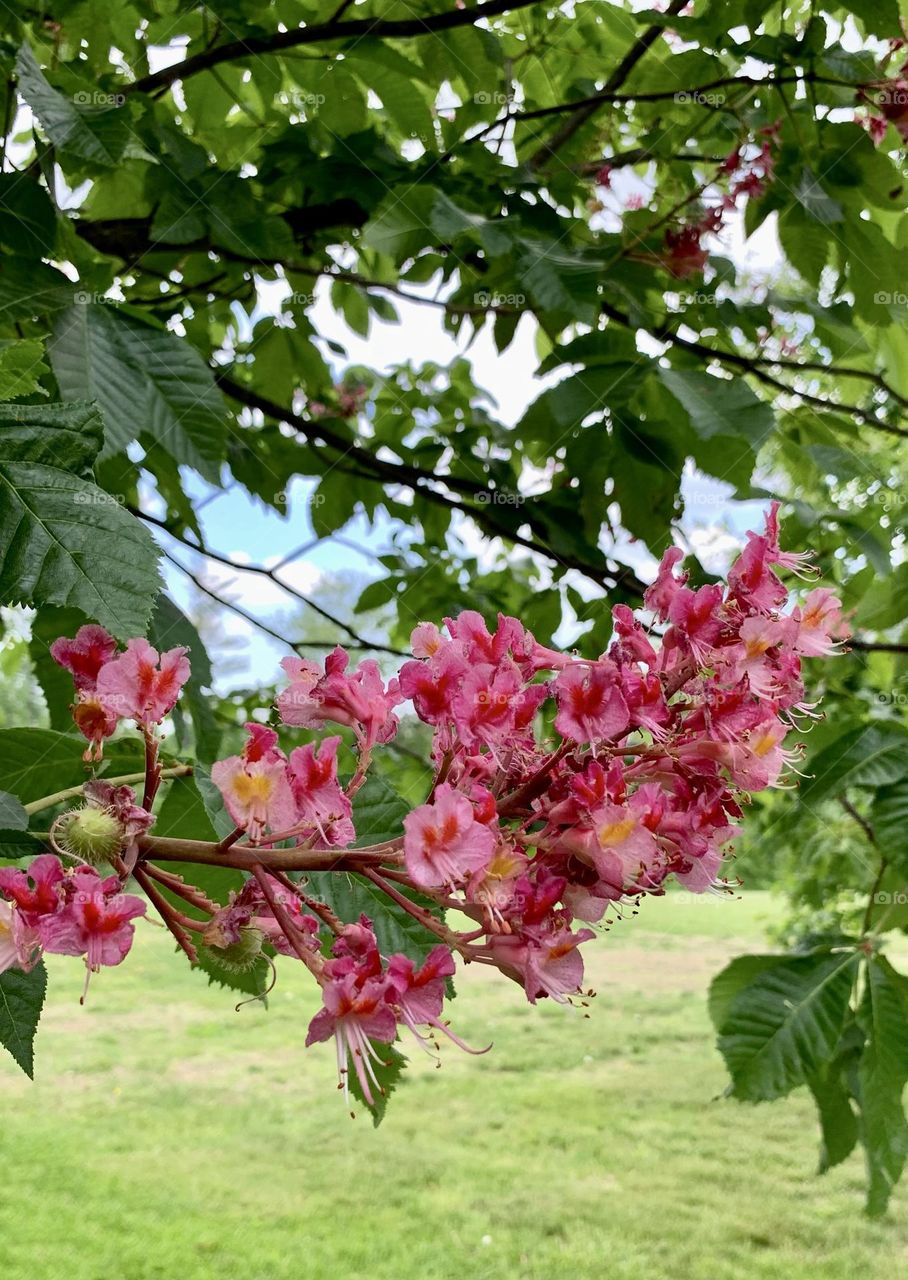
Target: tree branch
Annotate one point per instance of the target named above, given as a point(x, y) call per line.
point(355, 640)
point(581, 114)
point(320, 33)
point(480, 509)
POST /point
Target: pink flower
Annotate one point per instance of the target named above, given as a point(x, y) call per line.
point(121, 803)
point(95, 920)
point(433, 684)
point(37, 891)
point(141, 684)
point(819, 624)
point(485, 705)
point(627, 851)
point(95, 721)
point(548, 964)
point(418, 994)
point(85, 654)
point(695, 617)
point(256, 793)
point(659, 596)
point(683, 254)
point(355, 1014)
point(443, 842)
point(425, 640)
point(19, 945)
point(591, 705)
point(317, 792)
point(358, 700)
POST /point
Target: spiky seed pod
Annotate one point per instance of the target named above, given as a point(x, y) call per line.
point(239, 956)
point(91, 834)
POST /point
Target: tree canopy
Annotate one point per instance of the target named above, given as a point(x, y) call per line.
point(694, 217)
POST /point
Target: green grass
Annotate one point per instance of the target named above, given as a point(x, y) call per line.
point(167, 1136)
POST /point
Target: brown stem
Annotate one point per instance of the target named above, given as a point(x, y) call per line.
point(291, 933)
point(425, 918)
point(171, 917)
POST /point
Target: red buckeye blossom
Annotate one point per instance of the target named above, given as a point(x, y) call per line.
point(561, 788)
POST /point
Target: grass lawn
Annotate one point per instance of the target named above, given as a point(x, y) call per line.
point(167, 1136)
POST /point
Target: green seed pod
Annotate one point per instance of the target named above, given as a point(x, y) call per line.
point(94, 835)
point(239, 956)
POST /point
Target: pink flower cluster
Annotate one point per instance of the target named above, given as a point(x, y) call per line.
point(69, 913)
point(139, 684)
point(745, 171)
point(562, 786)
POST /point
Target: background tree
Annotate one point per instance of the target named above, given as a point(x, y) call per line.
point(179, 184)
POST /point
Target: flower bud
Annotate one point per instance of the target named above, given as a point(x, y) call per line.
point(92, 834)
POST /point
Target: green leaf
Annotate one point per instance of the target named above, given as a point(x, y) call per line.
point(871, 755)
point(21, 1002)
point(183, 816)
point(388, 1072)
point(71, 122)
point(39, 762)
point(62, 539)
point(213, 801)
point(253, 981)
point(838, 1122)
point(817, 202)
point(28, 221)
point(726, 416)
point(882, 1072)
point(727, 984)
point(889, 819)
point(12, 814)
point(147, 382)
point(786, 1023)
point(21, 368)
point(378, 812)
point(29, 288)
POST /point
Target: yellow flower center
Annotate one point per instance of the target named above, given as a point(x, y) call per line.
point(613, 833)
point(763, 743)
point(251, 789)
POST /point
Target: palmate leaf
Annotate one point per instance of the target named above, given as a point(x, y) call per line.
point(21, 1002)
point(145, 381)
point(785, 1024)
point(62, 539)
